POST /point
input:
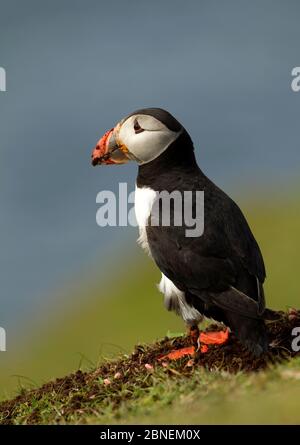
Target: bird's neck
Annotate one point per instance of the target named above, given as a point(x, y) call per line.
point(177, 160)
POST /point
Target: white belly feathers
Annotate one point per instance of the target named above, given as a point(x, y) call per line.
point(175, 301)
point(174, 298)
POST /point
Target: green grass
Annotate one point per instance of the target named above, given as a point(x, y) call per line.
point(214, 398)
point(161, 396)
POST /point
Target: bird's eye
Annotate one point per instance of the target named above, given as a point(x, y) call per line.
point(137, 127)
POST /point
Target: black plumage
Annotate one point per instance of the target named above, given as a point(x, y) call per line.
point(222, 272)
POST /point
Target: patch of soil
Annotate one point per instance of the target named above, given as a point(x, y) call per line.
point(77, 390)
point(232, 356)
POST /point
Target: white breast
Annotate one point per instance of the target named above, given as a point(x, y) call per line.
point(174, 298)
point(144, 199)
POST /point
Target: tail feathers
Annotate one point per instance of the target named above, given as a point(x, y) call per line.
point(251, 333)
point(271, 315)
point(244, 318)
point(243, 315)
point(236, 301)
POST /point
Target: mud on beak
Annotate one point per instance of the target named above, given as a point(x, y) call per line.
point(109, 150)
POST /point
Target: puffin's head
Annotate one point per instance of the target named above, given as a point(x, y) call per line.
point(142, 136)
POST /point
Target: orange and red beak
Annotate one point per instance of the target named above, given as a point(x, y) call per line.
point(108, 150)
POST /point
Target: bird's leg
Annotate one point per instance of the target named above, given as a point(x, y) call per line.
point(194, 334)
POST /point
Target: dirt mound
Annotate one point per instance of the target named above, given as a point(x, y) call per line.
point(231, 356)
point(79, 389)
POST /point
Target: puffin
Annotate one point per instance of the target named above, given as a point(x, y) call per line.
point(219, 273)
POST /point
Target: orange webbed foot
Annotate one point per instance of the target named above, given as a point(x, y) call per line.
point(202, 340)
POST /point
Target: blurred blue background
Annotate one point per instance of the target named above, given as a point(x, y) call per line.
point(75, 68)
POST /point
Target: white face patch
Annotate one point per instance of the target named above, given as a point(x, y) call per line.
point(149, 143)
